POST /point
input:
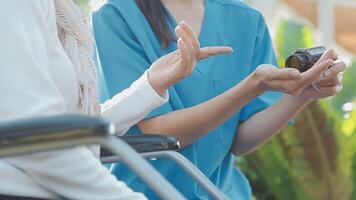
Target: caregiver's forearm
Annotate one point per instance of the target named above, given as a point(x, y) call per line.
point(189, 124)
point(264, 125)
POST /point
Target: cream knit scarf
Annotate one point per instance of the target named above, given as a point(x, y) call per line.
point(77, 40)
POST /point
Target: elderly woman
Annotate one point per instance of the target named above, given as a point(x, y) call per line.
point(46, 69)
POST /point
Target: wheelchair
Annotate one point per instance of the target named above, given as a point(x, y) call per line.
point(58, 132)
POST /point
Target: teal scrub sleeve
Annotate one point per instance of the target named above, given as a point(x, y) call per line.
point(122, 59)
point(263, 54)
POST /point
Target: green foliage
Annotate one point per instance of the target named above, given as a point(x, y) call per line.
point(84, 5)
point(318, 133)
point(273, 178)
point(348, 93)
point(348, 156)
point(314, 158)
point(291, 36)
point(308, 160)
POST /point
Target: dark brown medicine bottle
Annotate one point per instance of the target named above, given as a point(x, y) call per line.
point(304, 59)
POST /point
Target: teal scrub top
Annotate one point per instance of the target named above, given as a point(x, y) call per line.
point(127, 46)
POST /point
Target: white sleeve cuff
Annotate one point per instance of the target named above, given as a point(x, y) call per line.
point(132, 105)
point(151, 93)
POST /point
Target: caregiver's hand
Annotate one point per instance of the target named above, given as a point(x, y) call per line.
point(327, 85)
point(171, 68)
point(318, 82)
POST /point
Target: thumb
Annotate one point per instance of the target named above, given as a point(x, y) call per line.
point(290, 74)
point(283, 74)
point(207, 52)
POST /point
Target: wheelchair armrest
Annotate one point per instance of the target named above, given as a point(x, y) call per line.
point(148, 143)
point(49, 130)
point(49, 133)
point(50, 125)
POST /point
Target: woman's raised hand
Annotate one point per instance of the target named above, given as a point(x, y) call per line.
point(322, 80)
point(171, 68)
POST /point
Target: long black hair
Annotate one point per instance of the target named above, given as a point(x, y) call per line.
point(157, 16)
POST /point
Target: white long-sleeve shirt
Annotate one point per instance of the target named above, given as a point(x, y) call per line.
point(37, 79)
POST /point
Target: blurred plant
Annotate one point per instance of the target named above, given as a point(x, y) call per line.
point(348, 94)
point(312, 159)
point(84, 5)
point(290, 36)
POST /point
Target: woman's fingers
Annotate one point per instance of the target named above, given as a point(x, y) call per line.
point(190, 39)
point(330, 91)
point(207, 52)
point(328, 82)
point(193, 37)
point(284, 74)
point(281, 86)
point(184, 53)
point(329, 54)
point(271, 73)
point(332, 76)
point(315, 72)
point(188, 43)
point(325, 67)
point(335, 70)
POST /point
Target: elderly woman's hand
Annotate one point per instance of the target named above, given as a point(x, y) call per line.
point(322, 80)
point(171, 68)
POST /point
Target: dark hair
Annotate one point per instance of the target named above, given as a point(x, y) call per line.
point(157, 16)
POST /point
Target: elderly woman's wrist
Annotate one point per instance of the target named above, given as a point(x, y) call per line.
point(157, 85)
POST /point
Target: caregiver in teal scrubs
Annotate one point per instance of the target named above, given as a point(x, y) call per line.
point(225, 96)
